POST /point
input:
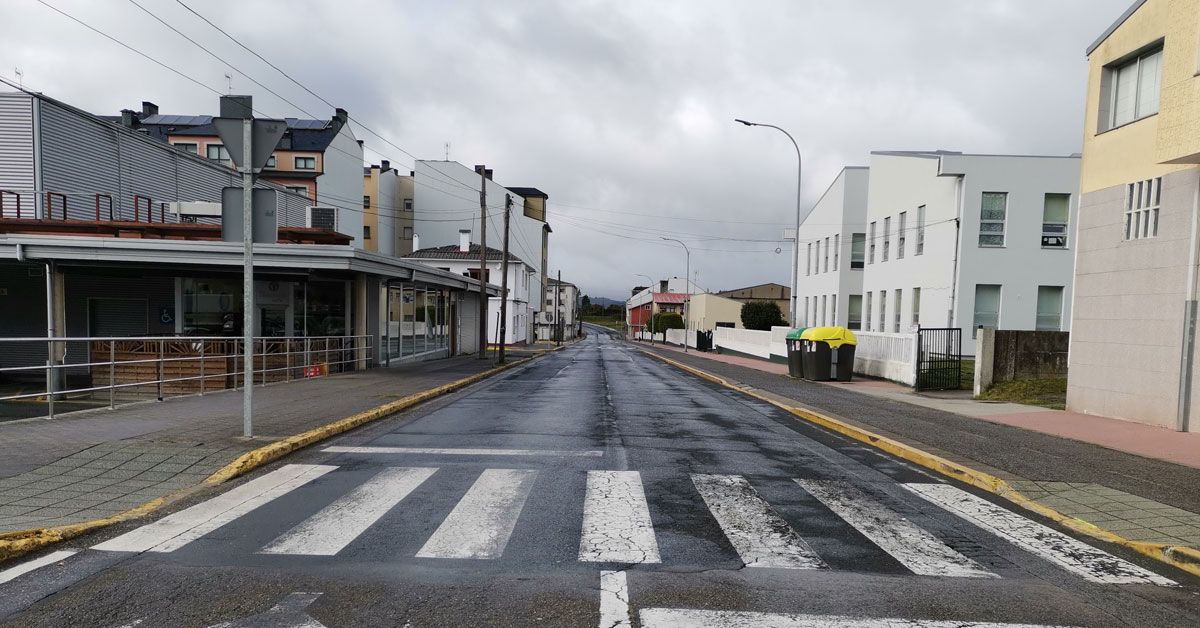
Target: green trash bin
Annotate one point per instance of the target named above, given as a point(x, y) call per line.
point(795, 353)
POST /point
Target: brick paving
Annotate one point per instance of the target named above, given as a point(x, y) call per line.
point(1139, 496)
point(94, 464)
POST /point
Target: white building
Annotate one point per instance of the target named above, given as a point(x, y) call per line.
point(950, 239)
point(463, 259)
point(832, 245)
point(446, 202)
point(560, 311)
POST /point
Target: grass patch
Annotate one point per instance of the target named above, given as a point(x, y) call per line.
point(605, 321)
point(967, 380)
point(1048, 393)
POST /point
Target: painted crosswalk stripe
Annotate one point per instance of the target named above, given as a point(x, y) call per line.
point(614, 600)
point(337, 525)
point(696, 618)
point(174, 531)
point(914, 547)
point(616, 520)
point(16, 571)
point(466, 451)
point(479, 526)
point(1070, 554)
point(761, 537)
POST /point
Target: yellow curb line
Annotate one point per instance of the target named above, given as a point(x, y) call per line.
point(1185, 558)
point(13, 544)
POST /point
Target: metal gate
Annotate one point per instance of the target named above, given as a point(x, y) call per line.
point(939, 358)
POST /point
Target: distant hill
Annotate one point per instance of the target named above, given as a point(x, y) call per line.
point(605, 301)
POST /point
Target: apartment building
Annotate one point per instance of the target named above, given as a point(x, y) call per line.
point(960, 240)
point(832, 253)
point(320, 160)
point(446, 203)
point(1133, 338)
point(387, 210)
point(560, 313)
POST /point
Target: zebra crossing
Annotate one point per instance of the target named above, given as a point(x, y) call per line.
point(617, 525)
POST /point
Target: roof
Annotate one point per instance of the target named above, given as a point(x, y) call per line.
point(551, 281)
point(302, 133)
point(761, 285)
point(1115, 25)
point(528, 192)
point(670, 297)
point(452, 252)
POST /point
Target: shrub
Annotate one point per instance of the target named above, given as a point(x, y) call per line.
point(664, 321)
point(761, 315)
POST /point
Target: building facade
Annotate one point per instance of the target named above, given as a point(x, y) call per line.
point(387, 225)
point(1133, 342)
point(559, 318)
point(781, 295)
point(832, 249)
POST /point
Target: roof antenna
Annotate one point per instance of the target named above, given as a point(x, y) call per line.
point(447, 151)
point(228, 84)
point(20, 78)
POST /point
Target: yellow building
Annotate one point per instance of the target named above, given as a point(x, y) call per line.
point(387, 210)
point(1133, 320)
point(708, 311)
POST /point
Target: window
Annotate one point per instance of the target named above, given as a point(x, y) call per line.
point(1133, 88)
point(900, 235)
point(896, 310)
point(871, 245)
point(837, 249)
point(366, 232)
point(883, 310)
point(407, 234)
point(887, 236)
point(217, 152)
point(1049, 308)
point(1141, 209)
point(920, 230)
point(408, 204)
point(987, 307)
point(824, 309)
point(1055, 211)
point(992, 212)
point(833, 309)
point(826, 262)
point(367, 202)
point(806, 311)
point(854, 312)
point(916, 307)
point(858, 249)
point(189, 147)
point(306, 163)
point(808, 260)
point(298, 189)
point(270, 162)
point(867, 312)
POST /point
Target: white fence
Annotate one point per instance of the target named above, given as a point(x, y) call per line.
point(890, 356)
point(762, 344)
point(674, 337)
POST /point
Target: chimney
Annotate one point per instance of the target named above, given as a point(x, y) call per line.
point(464, 240)
point(149, 109)
point(129, 118)
point(486, 172)
point(385, 165)
point(340, 115)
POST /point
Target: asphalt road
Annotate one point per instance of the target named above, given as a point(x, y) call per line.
point(594, 487)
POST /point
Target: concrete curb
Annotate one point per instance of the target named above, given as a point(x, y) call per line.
point(13, 544)
point(1185, 558)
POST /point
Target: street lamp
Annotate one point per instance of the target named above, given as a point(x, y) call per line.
point(650, 287)
point(796, 236)
point(687, 286)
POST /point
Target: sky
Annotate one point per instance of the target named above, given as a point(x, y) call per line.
point(621, 111)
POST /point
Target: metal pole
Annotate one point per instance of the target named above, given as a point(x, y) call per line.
point(247, 281)
point(483, 300)
point(508, 202)
point(558, 311)
point(112, 374)
point(51, 333)
point(687, 287)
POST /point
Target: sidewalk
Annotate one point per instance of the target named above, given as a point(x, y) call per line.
point(90, 465)
point(1138, 481)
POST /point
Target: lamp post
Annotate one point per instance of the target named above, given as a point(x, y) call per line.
point(796, 236)
point(687, 287)
point(650, 287)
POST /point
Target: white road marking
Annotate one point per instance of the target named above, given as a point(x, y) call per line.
point(465, 451)
point(616, 520)
point(174, 531)
point(14, 572)
point(914, 547)
point(479, 526)
point(761, 537)
point(695, 618)
point(614, 600)
point(1070, 554)
point(338, 524)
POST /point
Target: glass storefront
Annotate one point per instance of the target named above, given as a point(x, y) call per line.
point(213, 307)
point(418, 320)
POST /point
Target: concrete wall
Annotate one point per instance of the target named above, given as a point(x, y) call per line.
point(1007, 355)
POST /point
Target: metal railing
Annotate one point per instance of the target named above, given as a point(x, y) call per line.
point(97, 371)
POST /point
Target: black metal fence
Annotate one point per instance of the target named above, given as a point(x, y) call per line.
point(939, 358)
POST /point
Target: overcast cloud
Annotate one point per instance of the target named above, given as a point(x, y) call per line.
point(622, 107)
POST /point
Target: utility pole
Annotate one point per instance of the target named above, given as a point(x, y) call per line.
point(558, 311)
point(483, 299)
point(247, 277)
point(508, 202)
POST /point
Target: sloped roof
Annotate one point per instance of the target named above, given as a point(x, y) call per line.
point(670, 297)
point(452, 252)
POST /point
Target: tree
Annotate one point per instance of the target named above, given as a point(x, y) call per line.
point(586, 306)
point(761, 315)
point(661, 322)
